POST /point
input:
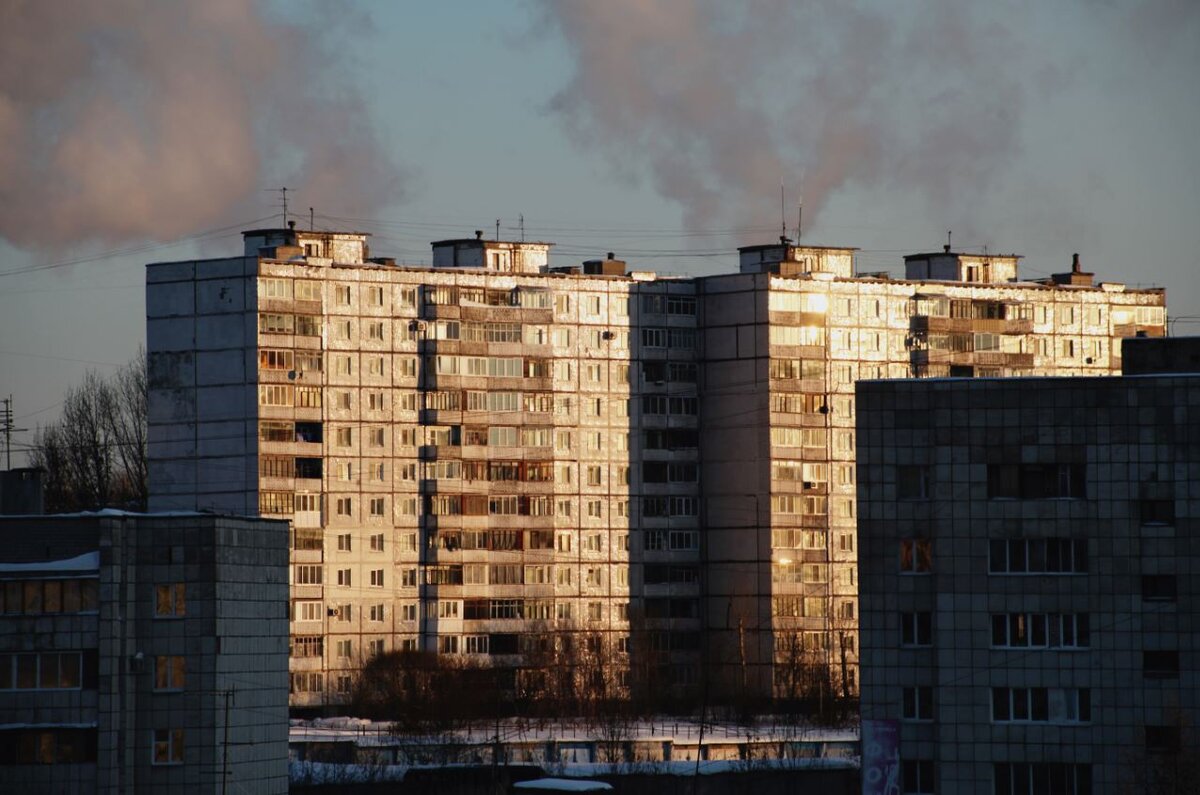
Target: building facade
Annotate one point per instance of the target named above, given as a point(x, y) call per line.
point(1028, 580)
point(494, 457)
point(143, 652)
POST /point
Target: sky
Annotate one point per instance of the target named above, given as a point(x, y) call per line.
point(661, 130)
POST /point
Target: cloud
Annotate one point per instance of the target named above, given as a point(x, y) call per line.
point(139, 120)
point(717, 104)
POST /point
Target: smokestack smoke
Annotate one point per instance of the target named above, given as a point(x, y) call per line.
point(134, 120)
point(715, 103)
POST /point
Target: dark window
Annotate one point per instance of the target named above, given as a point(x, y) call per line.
point(1158, 588)
point(918, 775)
point(1162, 739)
point(1160, 664)
point(1036, 481)
point(918, 703)
point(916, 629)
point(913, 483)
point(1157, 511)
point(1024, 778)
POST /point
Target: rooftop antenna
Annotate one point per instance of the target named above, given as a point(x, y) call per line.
point(312, 224)
point(497, 228)
point(782, 220)
point(799, 219)
point(948, 244)
point(6, 424)
point(522, 217)
point(283, 192)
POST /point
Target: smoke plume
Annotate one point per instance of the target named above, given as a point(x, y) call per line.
point(718, 103)
point(135, 120)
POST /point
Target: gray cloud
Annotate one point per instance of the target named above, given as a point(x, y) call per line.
point(133, 119)
point(717, 104)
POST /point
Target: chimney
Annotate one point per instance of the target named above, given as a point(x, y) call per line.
point(611, 256)
point(1077, 277)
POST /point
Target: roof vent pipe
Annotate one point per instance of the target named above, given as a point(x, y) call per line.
point(479, 234)
point(1075, 266)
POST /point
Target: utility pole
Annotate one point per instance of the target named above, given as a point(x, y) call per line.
point(6, 421)
point(225, 746)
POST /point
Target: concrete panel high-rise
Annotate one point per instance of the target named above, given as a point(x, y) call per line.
point(499, 458)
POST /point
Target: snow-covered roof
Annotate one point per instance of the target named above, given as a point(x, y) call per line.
point(563, 785)
point(88, 561)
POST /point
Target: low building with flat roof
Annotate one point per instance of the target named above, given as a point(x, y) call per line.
point(143, 653)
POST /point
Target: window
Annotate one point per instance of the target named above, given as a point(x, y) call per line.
point(918, 775)
point(343, 542)
point(41, 671)
point(1041, 705)
point(376, 578)
point(1158, 588)
point(1160, 664)
point(916, 629)
point(1020, 778)
point(1038, 556)
point(912, 483)
point(916, 556)
point(1163, 739)
point(168, 747)
point(169, 600)
point(168, 672)
point(376, 506)
point(1040, 630)
point(1036, 481)
point(1157, 512)
point(306, 574)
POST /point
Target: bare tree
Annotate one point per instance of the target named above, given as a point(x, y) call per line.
point(94, 456)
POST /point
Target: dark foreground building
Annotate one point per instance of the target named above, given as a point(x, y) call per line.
point(143, 653)
point(1030, 578)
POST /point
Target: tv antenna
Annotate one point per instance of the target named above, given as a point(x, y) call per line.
point(6, 425)
point(283, 196)
point(782, 220)
point(521, 216)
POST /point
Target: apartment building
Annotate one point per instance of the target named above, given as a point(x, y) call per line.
point(143, 653)
point(499, 458)
point(1029, 591)
point(784, 343)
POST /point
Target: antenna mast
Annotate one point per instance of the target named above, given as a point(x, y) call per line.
point(6, 424)
point(312, 224)
point(497, 228)
point(782, 219)
point(799, 219)
point(283, 192)
point(522, 219)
